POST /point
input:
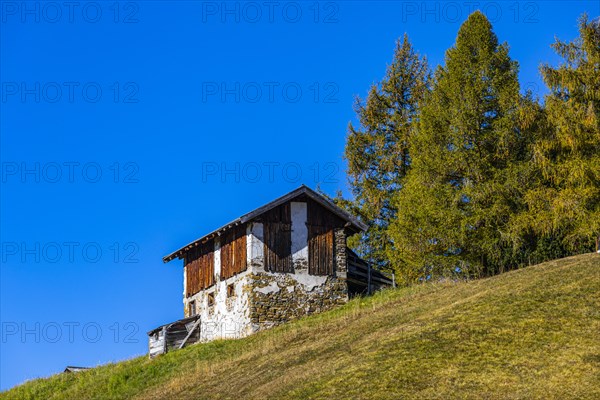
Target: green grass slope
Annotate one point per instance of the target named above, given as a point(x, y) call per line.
point(527, 334)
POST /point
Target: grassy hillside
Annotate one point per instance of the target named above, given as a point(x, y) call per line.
point(527, 334)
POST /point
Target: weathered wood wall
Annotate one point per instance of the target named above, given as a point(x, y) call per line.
point(156, 343)
point(233, 252)
point(172, 336)
point(199, 268)
point(321, 251)
point(277, 228)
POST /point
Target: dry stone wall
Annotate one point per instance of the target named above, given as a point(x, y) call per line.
point(279, 298)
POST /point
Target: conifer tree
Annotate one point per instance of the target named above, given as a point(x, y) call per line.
point(462, 187)
point(377, 150)
point(566, 203)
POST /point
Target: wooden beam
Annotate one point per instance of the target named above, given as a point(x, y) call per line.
point(164, 329)
point(194, 327)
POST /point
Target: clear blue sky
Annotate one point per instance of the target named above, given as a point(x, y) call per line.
point(129, 131)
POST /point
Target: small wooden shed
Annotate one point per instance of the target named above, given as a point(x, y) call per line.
point(71, 369)
point(175, 335)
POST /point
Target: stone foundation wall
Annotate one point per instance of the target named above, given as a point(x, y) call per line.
point(279, 298)
point(229, 315)
point(341, 259)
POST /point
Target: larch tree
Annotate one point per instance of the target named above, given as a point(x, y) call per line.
point(377, 150)
point(462, 187)
point(566, 205)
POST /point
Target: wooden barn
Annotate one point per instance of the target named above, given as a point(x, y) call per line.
point(286, 259)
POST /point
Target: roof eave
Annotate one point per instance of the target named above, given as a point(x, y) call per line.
point(352, 222)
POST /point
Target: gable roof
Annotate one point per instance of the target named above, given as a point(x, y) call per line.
point(183, 321)
point(351, 222)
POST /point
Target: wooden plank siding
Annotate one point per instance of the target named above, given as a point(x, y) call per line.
point(233, 252)
point(277, 229)
point(174, 336)
point(199, 268)
point(321, 252)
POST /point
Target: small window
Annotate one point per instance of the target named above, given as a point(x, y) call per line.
point(211, 299)
point(192, 308)
point(230, 290)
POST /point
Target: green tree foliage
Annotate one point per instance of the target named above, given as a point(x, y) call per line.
point(563, 203)
point(377, 150)
point(462, 186)
point(462, 175)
